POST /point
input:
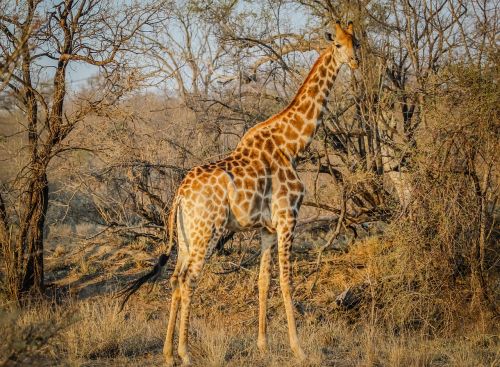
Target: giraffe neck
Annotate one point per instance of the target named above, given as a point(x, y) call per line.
point(299, 121)
point(292, 130)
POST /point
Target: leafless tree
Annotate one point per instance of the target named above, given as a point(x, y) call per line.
point(41, 40)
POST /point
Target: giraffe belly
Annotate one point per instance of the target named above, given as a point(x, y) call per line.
point(250, 213)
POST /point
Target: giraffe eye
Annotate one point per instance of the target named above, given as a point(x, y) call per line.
point(338, 45)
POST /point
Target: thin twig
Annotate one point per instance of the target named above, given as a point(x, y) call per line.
point(241, 265)
point(330, 241)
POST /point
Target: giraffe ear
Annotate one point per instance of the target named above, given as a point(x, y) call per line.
point(328, 36)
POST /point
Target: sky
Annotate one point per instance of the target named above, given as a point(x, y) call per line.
point(79, 72)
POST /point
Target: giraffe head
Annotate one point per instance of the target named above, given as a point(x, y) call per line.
point(345, 45)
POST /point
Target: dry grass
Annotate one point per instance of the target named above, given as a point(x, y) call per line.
point(85, 328)
point(97, 335)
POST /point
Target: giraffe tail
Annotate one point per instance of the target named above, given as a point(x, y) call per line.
point(153, 275)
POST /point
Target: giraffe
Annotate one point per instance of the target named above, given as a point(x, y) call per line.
point(255, 187)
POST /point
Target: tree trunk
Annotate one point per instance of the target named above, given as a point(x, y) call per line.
point(32, 278)
point(23, 253)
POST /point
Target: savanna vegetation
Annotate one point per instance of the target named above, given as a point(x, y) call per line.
point(105, 105)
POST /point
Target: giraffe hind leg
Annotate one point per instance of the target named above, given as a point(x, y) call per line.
point(188, 279)
point(172, 319)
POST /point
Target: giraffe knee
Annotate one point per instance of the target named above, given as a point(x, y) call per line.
point(183, 272)
point(174, 282)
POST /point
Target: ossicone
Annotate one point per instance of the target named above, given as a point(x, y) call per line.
point(349, 27)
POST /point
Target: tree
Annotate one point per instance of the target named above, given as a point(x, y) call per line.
point(41, 39)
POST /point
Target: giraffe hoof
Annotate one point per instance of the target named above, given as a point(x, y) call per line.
point(169, 361)
point(300, 355)
point(169, 356)
point(262, 345)
point(186, 361)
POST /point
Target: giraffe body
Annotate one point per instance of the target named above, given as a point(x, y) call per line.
point(256, 187)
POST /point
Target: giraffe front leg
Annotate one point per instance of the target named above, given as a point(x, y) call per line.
point(285, 236)
point(268, 239)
